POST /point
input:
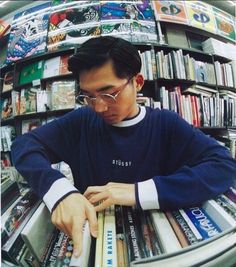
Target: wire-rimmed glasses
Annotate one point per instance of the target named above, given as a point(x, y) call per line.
point(109, 99)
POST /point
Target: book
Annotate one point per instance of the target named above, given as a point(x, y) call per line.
point(221, 217)
point(144, 230)
point(65, 252)
point(6, 108)
point(63, 95)
point(191, 238)
point(109, 238)
point(13, 245)
point(10, 191)
point(63, 67)
point(231, 193)
point(28, 100)
point(31, 72)
point(191, 225)
point(99, 240)
point(51, 67)
point(4, 27)
point(4, 218)
point(177, 229)
point(155, 242)
point(168, 239)
point(83, 260)
point(122, 257)
point(29, 125)
point(54, 248)
point(217, 251)
point(130, 229)
point(15, 102)
point(203, 222)
point(17, 214)
point(43, 100)
point(8, 81)
point(8, 134)
point(228, 205)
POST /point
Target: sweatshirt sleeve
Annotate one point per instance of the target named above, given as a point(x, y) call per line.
point(33, 153)
point(195, 169)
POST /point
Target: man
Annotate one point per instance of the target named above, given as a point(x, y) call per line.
point(119, 152)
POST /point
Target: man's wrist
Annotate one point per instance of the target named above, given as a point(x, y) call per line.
point(60, 189)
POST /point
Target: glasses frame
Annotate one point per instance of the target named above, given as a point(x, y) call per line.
point(89, 101)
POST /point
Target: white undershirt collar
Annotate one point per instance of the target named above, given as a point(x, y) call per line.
point(132, 121)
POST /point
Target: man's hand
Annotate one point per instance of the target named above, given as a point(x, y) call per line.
point(111, 194)
point(70, 215)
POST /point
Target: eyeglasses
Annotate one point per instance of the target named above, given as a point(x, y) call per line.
point(109, 99)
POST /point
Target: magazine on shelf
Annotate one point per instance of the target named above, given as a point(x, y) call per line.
point(28, 33)
point(37, 232)
point(8, 81)
point(73, 24)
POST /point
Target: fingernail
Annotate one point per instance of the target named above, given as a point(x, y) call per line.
point(95, 233)
point(76, 254)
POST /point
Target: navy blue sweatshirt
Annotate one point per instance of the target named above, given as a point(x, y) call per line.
point(185, 166)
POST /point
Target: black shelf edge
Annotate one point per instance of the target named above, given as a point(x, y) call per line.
point(42, 114)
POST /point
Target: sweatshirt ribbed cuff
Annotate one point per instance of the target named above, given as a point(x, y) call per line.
point(57, 192)
point(147, 195)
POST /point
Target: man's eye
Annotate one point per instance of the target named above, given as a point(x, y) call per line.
point(114, 93)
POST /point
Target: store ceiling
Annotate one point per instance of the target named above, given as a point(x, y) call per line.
point(11, 6)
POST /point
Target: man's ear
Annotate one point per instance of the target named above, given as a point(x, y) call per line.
point(139, 81)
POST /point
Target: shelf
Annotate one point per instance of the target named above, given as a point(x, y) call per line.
point(6, 94)
point(35, 115)
point(7, 121)
point(43, 114)
point(45, 55)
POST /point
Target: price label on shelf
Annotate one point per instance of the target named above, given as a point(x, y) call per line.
point(36, 82)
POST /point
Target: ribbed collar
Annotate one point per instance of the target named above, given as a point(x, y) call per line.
point(134, 120)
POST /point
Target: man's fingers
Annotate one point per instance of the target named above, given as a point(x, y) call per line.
point(77, 237)
point(103, 205)
point(98, 197)
point(93, 223)
point(93, 189)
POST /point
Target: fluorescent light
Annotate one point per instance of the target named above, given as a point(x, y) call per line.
point(3, 3)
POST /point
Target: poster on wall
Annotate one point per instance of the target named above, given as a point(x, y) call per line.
point(200, 15)
point(171, 11)
point(72, 23)
point(224, 24)
point(129, 19)
point(28, 33)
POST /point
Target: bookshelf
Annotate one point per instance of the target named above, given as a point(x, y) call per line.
point(166, 62)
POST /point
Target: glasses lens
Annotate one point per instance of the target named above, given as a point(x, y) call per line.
point(82, 100)
point(109, 99)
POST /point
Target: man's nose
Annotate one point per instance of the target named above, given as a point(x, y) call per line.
point(100, 105)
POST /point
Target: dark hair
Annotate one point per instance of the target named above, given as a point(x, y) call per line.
point(97, 51)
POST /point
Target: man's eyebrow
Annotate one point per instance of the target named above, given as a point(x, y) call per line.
point(104, 88)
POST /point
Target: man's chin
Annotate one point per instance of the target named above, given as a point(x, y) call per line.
point(111, 120)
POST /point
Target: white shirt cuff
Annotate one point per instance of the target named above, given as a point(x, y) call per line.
point(148, 196)
point(58, 189)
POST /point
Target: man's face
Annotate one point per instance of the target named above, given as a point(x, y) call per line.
point(102, 80)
